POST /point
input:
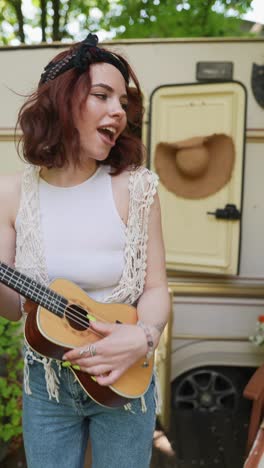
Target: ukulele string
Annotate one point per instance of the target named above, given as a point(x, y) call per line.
point(74, 315)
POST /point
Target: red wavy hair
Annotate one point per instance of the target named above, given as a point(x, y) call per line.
point(48, 129)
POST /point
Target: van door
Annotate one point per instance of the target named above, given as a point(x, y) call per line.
point(199, 236)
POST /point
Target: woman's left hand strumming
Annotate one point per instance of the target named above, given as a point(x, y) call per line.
point(108, 358)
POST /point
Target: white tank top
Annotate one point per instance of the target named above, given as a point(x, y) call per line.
point(83, 234)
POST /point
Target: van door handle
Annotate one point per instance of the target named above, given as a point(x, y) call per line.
point(229, 212)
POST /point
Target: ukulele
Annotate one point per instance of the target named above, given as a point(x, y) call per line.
point(59, 320)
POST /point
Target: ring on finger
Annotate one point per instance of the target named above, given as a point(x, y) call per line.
point(92, 350)
point(84, 351)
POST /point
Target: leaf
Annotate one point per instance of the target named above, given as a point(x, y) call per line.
point(11, 364)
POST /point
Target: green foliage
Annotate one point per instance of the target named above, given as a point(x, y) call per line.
point(11, 365)
point(176, 18)
point(59, 20)
point(52, 19)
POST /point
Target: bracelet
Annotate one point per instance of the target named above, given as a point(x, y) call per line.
point(150, 342)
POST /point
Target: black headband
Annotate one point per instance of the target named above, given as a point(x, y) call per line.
point(81, 57)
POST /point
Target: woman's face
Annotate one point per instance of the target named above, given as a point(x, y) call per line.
point(103, 116)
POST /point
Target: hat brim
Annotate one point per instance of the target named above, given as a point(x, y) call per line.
point(218, 172)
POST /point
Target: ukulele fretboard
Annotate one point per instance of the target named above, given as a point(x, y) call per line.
point(32, 290)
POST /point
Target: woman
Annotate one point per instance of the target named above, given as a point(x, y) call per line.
point(86, 210)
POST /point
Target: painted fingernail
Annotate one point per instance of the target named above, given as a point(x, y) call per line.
point(91, 318)
point(76, 367)
point(66, 364)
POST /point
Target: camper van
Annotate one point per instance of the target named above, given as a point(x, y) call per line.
point(202, 97)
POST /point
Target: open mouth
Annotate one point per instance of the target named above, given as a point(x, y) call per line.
point(108, 134)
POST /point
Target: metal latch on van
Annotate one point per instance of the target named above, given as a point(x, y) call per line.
point(230, 212)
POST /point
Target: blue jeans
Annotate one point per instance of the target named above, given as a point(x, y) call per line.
point(56, 434)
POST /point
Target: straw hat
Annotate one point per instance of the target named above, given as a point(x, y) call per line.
point(197, 167)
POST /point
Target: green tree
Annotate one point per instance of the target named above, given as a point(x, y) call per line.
point(176, 18)
point(50, 19)
point(55, 20)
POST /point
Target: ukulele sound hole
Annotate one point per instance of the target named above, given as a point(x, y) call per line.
point(77, 317)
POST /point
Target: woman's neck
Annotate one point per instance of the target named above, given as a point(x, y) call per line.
point(70, 175)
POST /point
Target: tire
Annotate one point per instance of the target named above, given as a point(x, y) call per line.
point(209, 389)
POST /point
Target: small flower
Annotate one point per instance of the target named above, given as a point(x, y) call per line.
point(258, 338)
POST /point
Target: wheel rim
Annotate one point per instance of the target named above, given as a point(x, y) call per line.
point(206, 390)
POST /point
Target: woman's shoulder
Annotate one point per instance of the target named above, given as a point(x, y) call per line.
point(143, 172)
point(136, 179)
point(143, 178)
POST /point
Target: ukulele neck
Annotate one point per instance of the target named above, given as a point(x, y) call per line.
point(32, 290)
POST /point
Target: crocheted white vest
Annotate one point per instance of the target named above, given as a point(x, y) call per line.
point(30, 258)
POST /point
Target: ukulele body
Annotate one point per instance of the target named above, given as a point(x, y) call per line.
point(51, 335)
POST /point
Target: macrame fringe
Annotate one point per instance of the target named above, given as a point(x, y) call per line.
point(143, 404)
point(157, 394)
point(26, 377)
point(128, 407)
point(52, 380)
